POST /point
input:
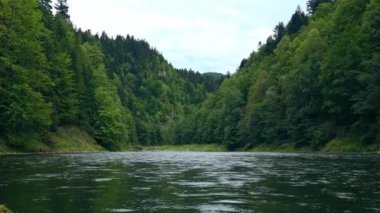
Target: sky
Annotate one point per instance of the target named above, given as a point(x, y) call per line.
point(204, 35)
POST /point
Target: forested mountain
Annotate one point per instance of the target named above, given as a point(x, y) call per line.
point(118, 90)
point(315, 80)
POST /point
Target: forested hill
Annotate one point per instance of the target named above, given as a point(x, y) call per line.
point(58, 83)
point(316, 81)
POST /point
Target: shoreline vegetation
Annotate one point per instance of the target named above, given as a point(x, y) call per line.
point(71, 139)
point(4, 209)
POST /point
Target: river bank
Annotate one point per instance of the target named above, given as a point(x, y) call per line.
point(334, 146)
point(4, 209)
point(65, 140)
point(73, 140)
point(188, 147)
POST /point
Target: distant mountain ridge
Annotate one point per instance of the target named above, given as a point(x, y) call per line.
point(215, 75)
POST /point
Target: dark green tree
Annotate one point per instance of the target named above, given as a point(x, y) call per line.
point(312, 5)
point(279, 32)
point(298, 20)
point(46, 6)
point(24, 111)
point(62, 9)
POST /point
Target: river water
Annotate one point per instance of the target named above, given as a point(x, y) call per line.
point(190, 182)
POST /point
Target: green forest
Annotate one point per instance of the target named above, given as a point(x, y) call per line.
point(58, 83)
point(315, 84)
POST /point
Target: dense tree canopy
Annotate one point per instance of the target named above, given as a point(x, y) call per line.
point(317, 81)
point(119, 90)
point(314, 80)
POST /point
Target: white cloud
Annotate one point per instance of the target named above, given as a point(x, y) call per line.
point(205, 35)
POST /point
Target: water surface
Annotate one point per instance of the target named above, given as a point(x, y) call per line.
point(190, 182)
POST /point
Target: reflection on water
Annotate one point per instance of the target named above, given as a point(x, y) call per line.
point(190, 182)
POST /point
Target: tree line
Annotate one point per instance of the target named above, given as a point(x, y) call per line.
point(119, 89)
point(314, 80)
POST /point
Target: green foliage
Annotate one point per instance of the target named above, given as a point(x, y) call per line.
point(197, 85)
point(156, 94)
point(114, 125)
point(312, 5)
point(119, 90)
point(63, 93)
point(24, 111)
point(338, 145)
point(62, 9)
point(4, 209)
point(189, 147)
point(303, 87)
point(72, 139)
point(287, 147)
point(315, 79)
point(298, 20)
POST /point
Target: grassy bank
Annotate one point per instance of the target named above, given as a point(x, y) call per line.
point(73, 139)
point(65, 139)
point(188, 147)
point(342, 145)
point(279, 148)
point(334, 146)
point(4, 209)
point(4, 149)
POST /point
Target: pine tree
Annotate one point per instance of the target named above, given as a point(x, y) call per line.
point(312, 5)
point(298, 20)
point(279, 32)
point(46, 6)
point(62, 9)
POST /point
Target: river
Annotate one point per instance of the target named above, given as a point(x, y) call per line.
point(190, 182)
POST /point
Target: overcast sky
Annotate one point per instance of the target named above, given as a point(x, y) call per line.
point(204, 35)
